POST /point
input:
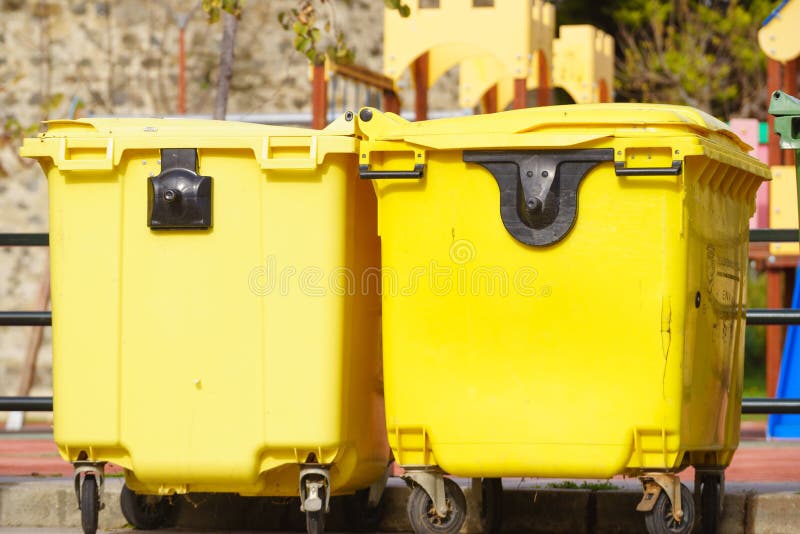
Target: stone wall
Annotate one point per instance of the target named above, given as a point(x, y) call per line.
point(120, 57)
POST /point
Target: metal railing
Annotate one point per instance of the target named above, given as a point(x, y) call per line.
point(754, 317)
point(26, 404)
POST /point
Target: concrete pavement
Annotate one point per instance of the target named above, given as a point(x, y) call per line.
point(763, 485)
point(529, 506)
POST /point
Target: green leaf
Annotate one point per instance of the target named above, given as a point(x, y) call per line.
point(234, 7)
point(301, 43)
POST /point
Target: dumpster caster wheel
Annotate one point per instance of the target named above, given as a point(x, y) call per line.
point(491, 505)
point(710, 488)
point(144, 512)
point(90, 505)
point(314, 500)
point(315, 521)
point(660, 519)
point(360, 515)
point(422, 514)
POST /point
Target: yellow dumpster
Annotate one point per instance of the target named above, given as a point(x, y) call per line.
point(210, 330)
point(563, 296)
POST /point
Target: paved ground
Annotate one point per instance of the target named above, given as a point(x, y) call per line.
point(45, 530)
point(33, 453)
point(124, 530)
point(763, 485)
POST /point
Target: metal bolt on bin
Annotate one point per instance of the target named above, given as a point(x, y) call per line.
point(578, 306)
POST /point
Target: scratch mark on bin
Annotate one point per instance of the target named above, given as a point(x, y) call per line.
point(666, 338)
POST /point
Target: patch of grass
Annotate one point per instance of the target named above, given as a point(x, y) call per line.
point(567, 484)
point(755, 351)
point(755, 386)
point(755, 382)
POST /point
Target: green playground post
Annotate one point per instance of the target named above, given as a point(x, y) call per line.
point(786, 110)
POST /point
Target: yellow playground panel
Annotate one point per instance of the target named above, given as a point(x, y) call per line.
point(511, 34)
point(583, 63)
point(783, 206)
point(497, 44)
point(777, 38)
point(478, 74)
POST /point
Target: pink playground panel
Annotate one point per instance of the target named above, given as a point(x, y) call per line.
point(748, 130)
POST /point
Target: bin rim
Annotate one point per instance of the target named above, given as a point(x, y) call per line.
point(109, 138)
point(175, 126)
point(598, 121)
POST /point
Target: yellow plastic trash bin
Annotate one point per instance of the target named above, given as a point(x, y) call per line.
point(563, 296)
point(210, 330)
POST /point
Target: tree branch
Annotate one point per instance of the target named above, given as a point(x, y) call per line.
point(230, 22)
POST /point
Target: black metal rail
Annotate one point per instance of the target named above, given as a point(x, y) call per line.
point(749, 405)
point(767, 406)
point(774, 235)
point(26, 404)
point(764, 316)
point(25, 318)
point(757, 235)
point(754, 317)
point(24, 240)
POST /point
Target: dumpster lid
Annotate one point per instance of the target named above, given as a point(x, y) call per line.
point(98, 144)
point(552, 126)
point(138, 127)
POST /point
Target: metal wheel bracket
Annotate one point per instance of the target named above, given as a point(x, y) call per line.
point(476, 492)
point(95, 469)
point(653, 484)
point(433, 484)
point(651, 493)
point(378, 487)
point(312, 480)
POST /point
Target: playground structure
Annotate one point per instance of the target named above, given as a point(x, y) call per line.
point(583, 63)
point(778, 40)
point(523, 56)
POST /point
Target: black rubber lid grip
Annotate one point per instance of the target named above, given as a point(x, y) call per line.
point(539, 188)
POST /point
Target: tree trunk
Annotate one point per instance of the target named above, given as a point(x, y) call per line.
point(225, 65)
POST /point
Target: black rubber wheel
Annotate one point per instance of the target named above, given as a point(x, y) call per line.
point(90, 505)
point(660, 521)
point(709, 503)
point(361, 517)
point(491, 505)
point(315, 522)
point(423, 518)
point(144, 512)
